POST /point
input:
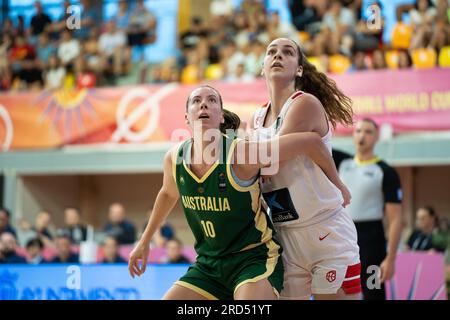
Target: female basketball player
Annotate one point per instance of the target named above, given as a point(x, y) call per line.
point(219, 190)
point(321, 255)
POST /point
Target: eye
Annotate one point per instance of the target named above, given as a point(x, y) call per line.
point(289, 52)
point(271, 51)
point(213, 100)
point(196, 100)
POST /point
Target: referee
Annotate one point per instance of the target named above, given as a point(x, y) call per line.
point(376, 191)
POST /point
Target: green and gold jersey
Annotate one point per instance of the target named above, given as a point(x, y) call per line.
point(223, 216)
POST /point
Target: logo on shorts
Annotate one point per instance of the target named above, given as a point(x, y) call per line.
point(331, 275)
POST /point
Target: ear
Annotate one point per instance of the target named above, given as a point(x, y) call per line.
point(300, 71)
point(186, 118)
point(222, 118)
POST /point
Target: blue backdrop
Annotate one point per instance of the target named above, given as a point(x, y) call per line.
point(85, 282)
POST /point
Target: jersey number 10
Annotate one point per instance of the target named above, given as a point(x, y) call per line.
point(208, 228)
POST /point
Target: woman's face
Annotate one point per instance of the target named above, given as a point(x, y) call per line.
point(204, 109)
point(281, 60)
point(423, 5)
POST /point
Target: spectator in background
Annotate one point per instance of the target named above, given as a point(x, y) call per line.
point(40, 21)
point(9, 249)
point(307, 16)
point(20, 29)
point(25, 232)
point(338, 24)
point(34, 249)
point(73, 226)
point(42, 227)
point(142, 26)
point(30, 74)
point(8, 28)
point(69, 49)
point(112, 46)
point(89, 18)
point(427, 224)
point(45, 49)
point(63, 249)
point(191, 37)
point(57, 27)
point(359, 61)
point(280, 29)
point(240, 75)
point(123, 16)
point(174, 253)
point(111, 251)
point(404, 60)
point(91, 52)
point(119, 227)
point(378, 60)
point(5, 225)
point(54, 75)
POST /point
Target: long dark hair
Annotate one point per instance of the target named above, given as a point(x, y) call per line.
point(337, 105)
point(232, 120)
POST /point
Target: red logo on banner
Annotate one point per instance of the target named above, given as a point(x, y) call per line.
point(331, 275)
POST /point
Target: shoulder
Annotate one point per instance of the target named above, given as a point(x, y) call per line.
point(306, 103)
point(387, 169)
point(339, 157)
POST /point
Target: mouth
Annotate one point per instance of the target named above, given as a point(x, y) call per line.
point(203, 116)
point(276, 65)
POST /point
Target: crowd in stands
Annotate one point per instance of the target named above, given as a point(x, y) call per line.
point(229, 45)
point(334, 35)
point(42, 243)
point(54, 54)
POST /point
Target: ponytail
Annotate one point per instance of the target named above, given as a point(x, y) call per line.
point(232, 121)
point(337, 105)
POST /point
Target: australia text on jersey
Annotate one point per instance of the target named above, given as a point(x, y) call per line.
point(201, 203)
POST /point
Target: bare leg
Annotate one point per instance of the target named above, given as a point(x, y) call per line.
point(177, 292)
point(259, 290)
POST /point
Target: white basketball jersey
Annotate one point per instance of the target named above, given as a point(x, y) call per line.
point(300, 193)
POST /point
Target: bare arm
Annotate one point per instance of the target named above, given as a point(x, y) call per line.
point(165, 201)
point(393, 212)
point(307, 115)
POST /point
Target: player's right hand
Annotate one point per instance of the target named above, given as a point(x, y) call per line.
point(345, 194)
point(139, 253)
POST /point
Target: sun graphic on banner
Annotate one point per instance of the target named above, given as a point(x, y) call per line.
point(66, 108)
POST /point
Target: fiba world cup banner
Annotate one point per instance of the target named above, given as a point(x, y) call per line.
point(410, 100)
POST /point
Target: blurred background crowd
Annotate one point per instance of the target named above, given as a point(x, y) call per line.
point(336, 35)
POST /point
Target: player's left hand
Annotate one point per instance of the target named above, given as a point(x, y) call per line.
point(387, 269)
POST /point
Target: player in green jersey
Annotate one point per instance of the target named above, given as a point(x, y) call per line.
point(216, 178)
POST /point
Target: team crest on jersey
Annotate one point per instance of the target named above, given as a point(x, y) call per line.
point(222, 182)
point(201, 190)
point(182, 180)
point(331, 275)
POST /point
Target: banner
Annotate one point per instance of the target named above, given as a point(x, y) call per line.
point(85, 282)
point(418, 276)
point(410, 100)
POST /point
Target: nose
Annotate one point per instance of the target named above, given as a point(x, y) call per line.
point(277, 56)
point(203, 106)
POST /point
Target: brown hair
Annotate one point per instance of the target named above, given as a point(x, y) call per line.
point(337, 105)
point(232, 120)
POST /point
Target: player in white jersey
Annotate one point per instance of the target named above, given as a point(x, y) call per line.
point(321, 252)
